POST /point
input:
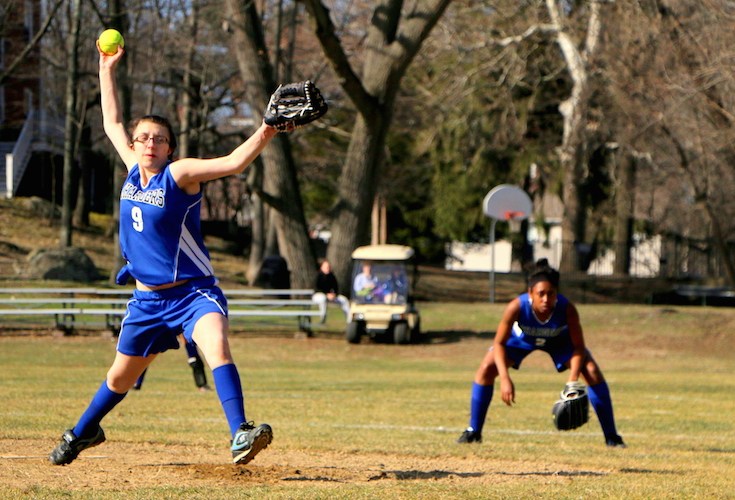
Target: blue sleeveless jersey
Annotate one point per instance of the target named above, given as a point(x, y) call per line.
point(160, 233)
point(530, 333)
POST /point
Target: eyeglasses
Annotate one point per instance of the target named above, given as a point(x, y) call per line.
point(157, 139)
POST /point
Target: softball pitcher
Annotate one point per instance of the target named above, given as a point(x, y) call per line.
point(176, 290)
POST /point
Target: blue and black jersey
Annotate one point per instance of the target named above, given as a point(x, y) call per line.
point(531, 333)
point(160, 233)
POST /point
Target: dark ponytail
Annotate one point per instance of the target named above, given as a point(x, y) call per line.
point(542, 271)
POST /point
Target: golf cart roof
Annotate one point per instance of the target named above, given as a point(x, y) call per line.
point(383, 252)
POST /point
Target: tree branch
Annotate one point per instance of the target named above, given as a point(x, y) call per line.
point(325, 32)
point(414, 30)
point(37, 37)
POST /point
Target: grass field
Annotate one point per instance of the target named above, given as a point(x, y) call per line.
point(380, 421)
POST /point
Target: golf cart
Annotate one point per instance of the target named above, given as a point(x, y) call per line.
point(381, 305)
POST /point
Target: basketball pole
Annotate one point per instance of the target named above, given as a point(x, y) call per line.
point(503, 202)
point(492, 259)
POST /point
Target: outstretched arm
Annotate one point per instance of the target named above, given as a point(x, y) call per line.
point(188, 171)
point(292, 105)
point(112, 120)
point(575, 333)
point(510, 316)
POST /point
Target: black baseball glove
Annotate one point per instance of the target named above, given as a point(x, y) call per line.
point(294, 105)
point(573, 409)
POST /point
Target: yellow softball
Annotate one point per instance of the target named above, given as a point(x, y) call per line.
point(110, 40)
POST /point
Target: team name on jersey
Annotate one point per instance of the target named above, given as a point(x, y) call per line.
point(155, 197)
point(535, 331)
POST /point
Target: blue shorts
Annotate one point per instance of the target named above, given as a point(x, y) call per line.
point(154, 320)
point(560, 350)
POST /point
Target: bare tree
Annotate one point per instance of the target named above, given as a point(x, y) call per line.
point(670, 110)
point(657, 88)
point(395, 34)
point(71, 122)
point(8, 70)
point(280, 183)
point(573, 155)
point(117, 20)
point(624, 167)
point(186, 113)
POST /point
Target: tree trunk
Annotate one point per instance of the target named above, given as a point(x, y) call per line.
point(80, 217)
point(356, 193)
point(257, 223)
point(186, 112)
point(720, 242)
point(282, 194)
point(572, 226)
point(393, 41)
point(624, 208)
point(379, 221)
point(65, 237)
point(573, 151)
point(280, 184)
point(702, 196)
point(116, 9)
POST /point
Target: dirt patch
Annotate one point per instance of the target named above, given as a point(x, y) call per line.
point(141, 466)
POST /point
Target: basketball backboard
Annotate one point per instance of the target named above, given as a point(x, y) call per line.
point(507, 202)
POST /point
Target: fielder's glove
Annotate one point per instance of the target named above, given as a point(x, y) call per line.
point(294, 105)
point(573, 409)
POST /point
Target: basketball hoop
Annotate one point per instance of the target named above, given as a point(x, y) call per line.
point(511, 204)
point(514, 219)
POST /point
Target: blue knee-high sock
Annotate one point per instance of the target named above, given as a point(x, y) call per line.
point(229, 390)
point(601, 402)
point(480, 400)
point(102, 403)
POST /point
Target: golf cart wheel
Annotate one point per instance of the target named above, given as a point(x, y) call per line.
point(401, 335)
point(354, 331)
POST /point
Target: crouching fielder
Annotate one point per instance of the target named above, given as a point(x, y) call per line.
point(541, 319)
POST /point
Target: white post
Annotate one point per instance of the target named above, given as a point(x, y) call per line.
point(492, 260)
point(8, 175)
